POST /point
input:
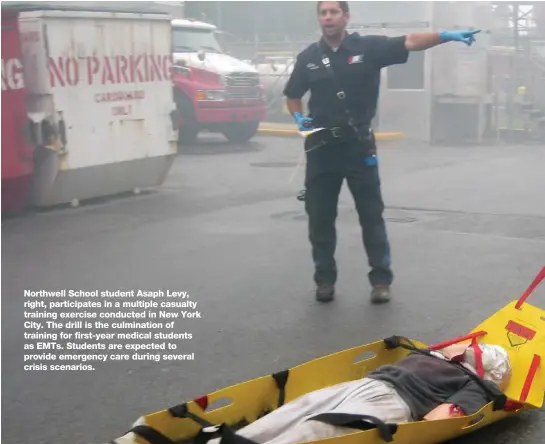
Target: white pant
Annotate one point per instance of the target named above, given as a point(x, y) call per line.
point(288, 424)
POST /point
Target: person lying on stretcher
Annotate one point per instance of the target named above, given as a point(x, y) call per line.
point(418, 387)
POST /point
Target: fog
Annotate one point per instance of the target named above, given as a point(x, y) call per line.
point(452, 93)
point(488, 92)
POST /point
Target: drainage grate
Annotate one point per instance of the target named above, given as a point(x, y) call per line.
point(274, 164)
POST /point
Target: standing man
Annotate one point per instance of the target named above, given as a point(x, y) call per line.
point(342, 72)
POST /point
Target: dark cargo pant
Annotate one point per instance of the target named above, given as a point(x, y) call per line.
point(327, 166)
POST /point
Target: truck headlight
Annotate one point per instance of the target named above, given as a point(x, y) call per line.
point(210, 95)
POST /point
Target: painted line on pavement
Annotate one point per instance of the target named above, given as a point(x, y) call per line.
point(294, 132)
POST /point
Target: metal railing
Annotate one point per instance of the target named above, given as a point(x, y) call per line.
point(259, 51)
point(537, 74)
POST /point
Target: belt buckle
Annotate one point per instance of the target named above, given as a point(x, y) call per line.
point(336, 132)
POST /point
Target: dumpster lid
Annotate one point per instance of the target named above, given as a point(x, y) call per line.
point(110, 6)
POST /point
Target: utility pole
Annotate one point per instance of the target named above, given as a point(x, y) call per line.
point(514, 64)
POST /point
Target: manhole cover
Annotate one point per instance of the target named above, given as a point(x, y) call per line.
point(401, 220)
point(274, 164)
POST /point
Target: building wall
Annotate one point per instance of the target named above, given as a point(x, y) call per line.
point(413, 95)
point(405, 96)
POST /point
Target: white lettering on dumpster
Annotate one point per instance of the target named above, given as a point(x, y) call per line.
point(12, 74)
point(109, 70)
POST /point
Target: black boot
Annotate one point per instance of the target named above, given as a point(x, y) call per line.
point(325, 293)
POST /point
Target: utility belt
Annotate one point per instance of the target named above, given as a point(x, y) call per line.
point(363, 135)
point(346, 132)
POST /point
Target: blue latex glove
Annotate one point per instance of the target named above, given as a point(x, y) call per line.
point(304, 123)
point(466, 37)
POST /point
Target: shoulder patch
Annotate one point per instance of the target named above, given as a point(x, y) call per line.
point(355, 59)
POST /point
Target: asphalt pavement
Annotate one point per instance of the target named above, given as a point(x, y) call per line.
point(466, 224)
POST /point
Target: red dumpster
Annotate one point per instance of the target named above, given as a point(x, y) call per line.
point(17, 162)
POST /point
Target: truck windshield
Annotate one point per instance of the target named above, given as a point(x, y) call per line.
point(194, 40)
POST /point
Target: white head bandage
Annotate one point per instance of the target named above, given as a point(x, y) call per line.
point(490, 362)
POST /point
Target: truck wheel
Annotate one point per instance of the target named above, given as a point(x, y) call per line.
point(240, 132)
point(187, 134)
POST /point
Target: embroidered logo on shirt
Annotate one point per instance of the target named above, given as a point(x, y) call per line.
point(355, 59)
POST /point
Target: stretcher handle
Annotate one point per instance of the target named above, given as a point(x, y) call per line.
point(540, 276)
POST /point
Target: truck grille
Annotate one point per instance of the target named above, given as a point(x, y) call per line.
point(243, 94)
point(247, 79)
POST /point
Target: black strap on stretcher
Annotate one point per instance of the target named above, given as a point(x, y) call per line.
point(228, 436)
point(359, 422)
point(281, 379)
point(208, 430)
point(499, 398)
point(151, 435)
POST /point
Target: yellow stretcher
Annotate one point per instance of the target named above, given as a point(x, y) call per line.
point(519, 327)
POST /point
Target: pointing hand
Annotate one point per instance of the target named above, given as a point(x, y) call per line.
point(466, 37)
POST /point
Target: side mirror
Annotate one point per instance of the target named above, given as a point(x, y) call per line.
point(201, 55)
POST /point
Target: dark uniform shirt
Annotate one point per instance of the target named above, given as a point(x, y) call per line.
point(425, 382)
point(356, 64)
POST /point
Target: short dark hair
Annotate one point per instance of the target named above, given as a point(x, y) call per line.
point(342, 5)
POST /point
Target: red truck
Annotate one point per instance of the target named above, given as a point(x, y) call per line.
point(213, 91)
point(17, 156)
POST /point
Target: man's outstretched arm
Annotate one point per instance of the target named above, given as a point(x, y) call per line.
point(387, 51)
point(426, 40)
